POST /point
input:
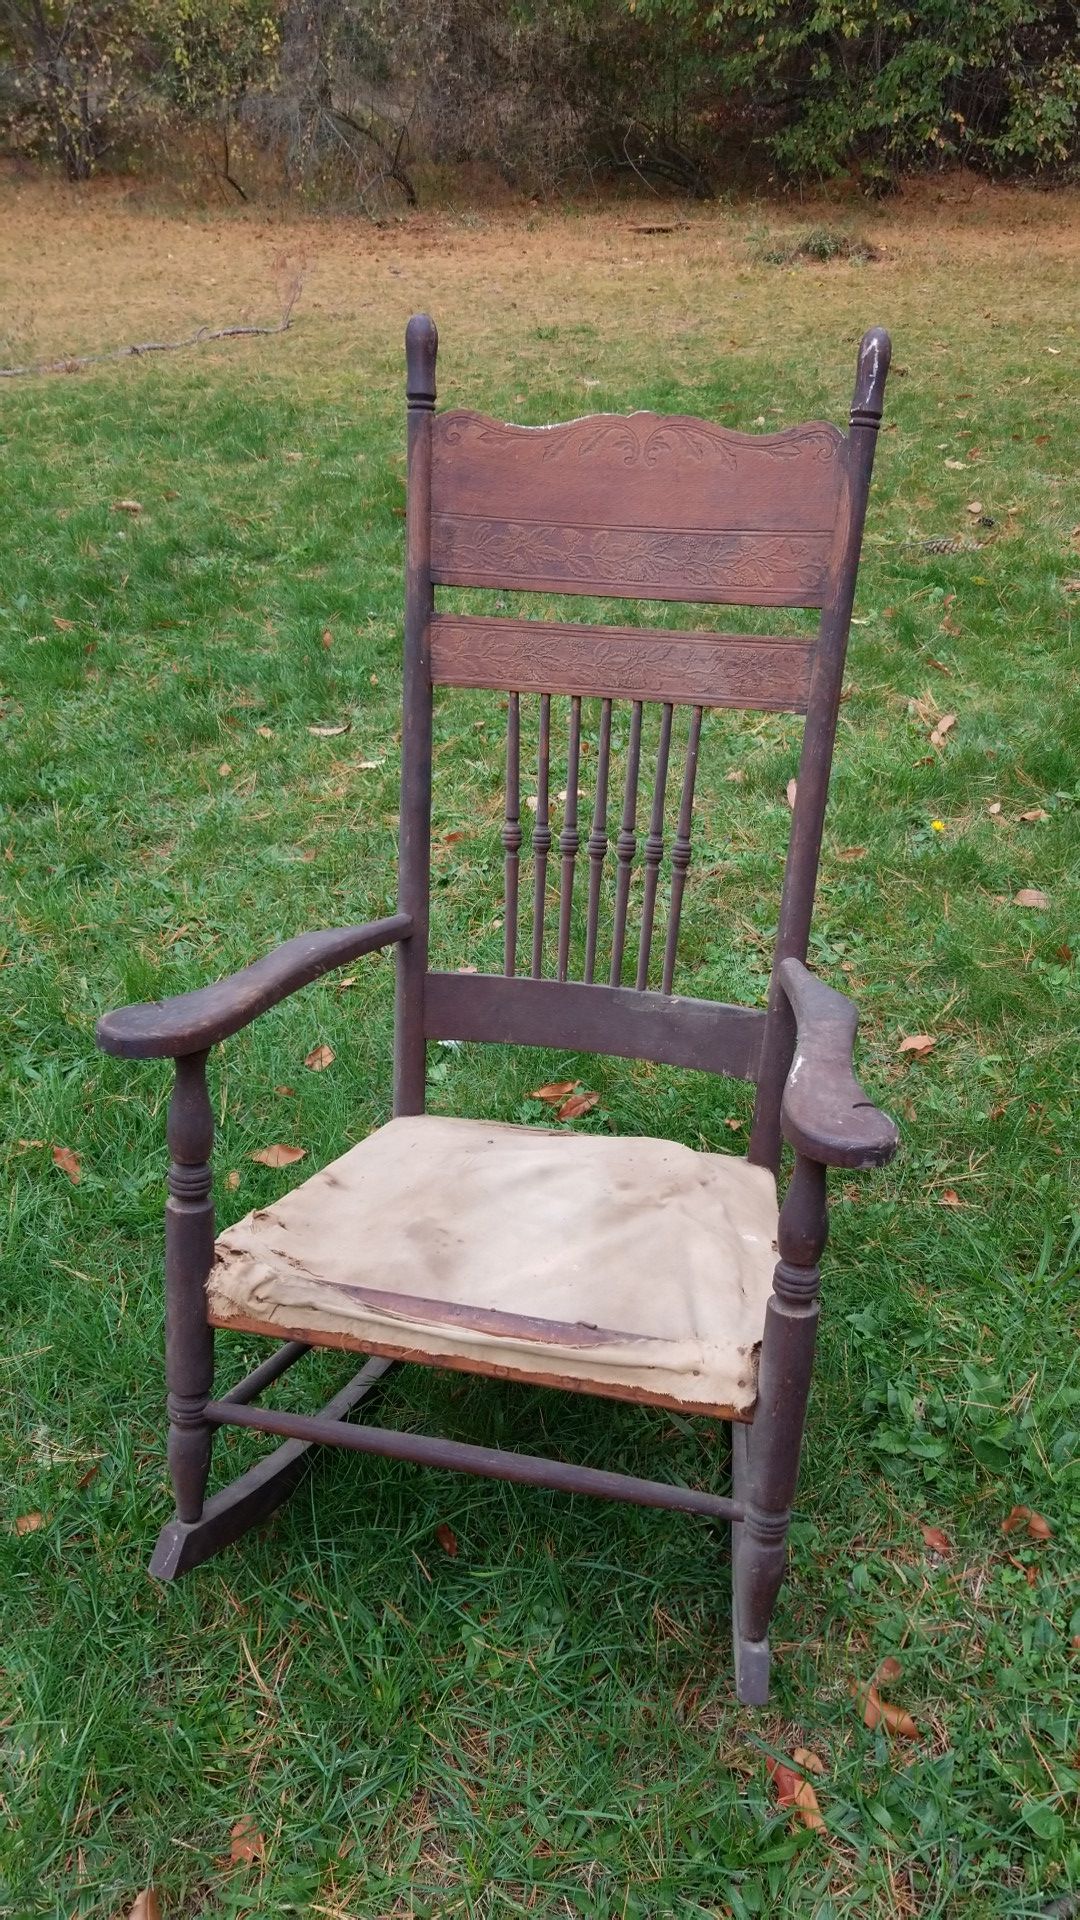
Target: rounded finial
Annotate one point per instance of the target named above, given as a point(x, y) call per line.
point(875, 352)
point(421, 347)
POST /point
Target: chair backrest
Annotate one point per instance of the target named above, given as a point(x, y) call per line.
point(641, 506)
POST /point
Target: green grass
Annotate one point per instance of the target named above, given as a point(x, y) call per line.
point(543, 1724)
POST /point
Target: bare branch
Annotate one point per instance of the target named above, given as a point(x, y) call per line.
point(71, 363)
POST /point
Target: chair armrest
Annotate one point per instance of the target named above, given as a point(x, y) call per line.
point(824, 1112)
point(193, 1022)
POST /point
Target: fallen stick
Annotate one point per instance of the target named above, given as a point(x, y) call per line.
point(72, 362)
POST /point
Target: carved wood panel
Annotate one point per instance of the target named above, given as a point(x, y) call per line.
point(623, 663)
point(643, 506)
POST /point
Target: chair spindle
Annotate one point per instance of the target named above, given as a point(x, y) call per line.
point(598, 841)
point(541, 837)
point(654, 847)
point(569, 838)
point(626, 845)
point(680, 851)
point(511, 833)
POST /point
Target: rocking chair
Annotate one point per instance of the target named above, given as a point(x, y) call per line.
point(432, 1240)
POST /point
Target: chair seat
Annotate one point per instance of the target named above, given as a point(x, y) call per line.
point(632, 1268)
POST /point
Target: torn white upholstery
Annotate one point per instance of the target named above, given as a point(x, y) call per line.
point(636, 1267)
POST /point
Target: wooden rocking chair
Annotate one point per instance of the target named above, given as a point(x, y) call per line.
point(430, 1241)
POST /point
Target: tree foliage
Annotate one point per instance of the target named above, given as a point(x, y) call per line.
point(357, 94)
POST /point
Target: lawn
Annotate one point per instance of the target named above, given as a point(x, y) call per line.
point(541, 1723)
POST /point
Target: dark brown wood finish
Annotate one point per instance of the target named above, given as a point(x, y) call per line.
point(414, 832)
point(626, 846)
point(598, 841)
point(569, 838)
point(511, 835)
point(654, 849)
point(768, 1468)
point(647, 507)
point(681, 851)
point(641, 507)
point(541, 838)
point(189, 1255)
point(624, 663)
point(523, 1469)
point(165, 1029)
point(815, 760)
point(702, 1034)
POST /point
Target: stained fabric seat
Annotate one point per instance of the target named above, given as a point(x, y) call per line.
point(634, 1268)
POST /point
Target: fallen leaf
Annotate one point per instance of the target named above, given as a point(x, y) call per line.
point(939, 664)
point(328, 638)
point(342, 984)
point(1031, 1574)
point(68, 1163)
point(1031, 897)
point(790, 791)
point(949, 626)
point(937, 1542)
point(265, 733)
point(368, 766)
point(329, 733)
point(950, 1198)
point(1033, 1523)
point(795, 1792)
point(450, 839)
point(320, 1058)
point(278, 1156)
point(29, 1522)
point(64, 626)
point(147, 1906)
point(945, 725)
point(577, 1104)
point(530, 802)
point(447, 1539)
point(890, 1668)
point(735, 773)
point(246, 1843)
point(974, 506)
point(920, 1044)
point(232, 1179)
point(1031, 814)
point(555, 1092)
point(956, 465)
point(877, 1712)
point(287, 1093)
point(224, 769)
point(806, 1757)
point(85, 1479)
point(1070, 586)
point(127, 506)
point(994, 807)
point(850, 853)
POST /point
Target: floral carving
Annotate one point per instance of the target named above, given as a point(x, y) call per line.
point(626, 664)
point(626, 560)
point(652, 439)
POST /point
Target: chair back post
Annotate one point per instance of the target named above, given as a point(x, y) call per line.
point(410, 1050)
point(815, 763)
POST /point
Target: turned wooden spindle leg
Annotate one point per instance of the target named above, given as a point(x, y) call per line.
point(189, 1253)
point(767, 1453)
